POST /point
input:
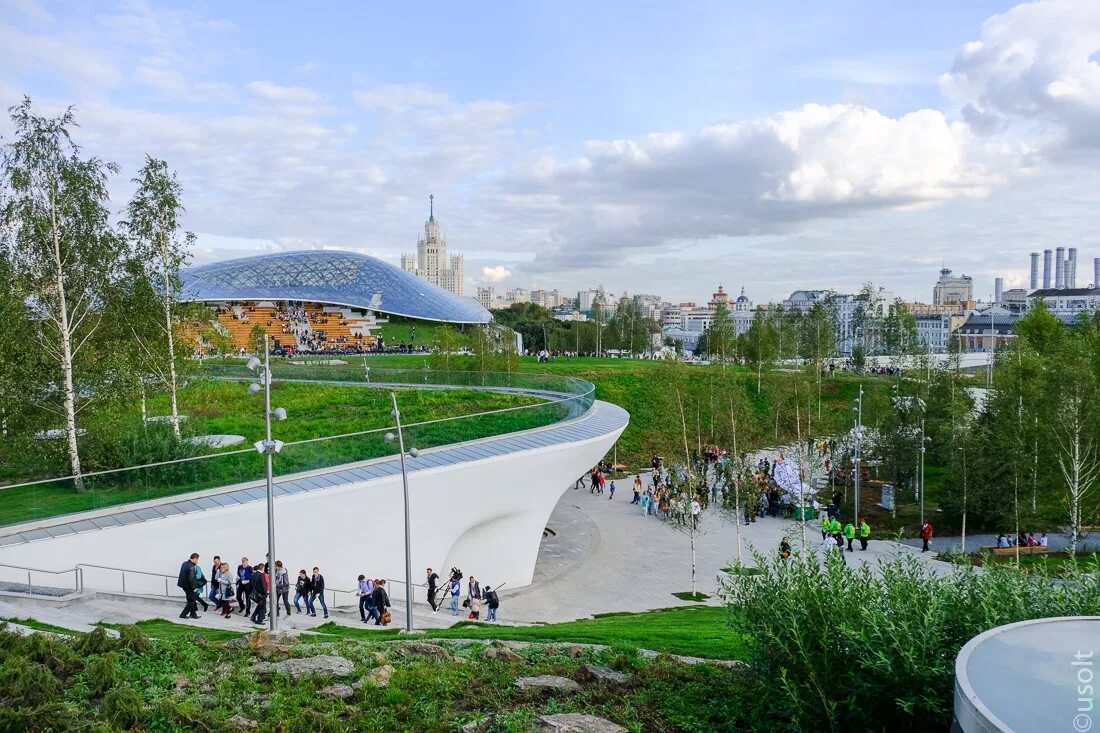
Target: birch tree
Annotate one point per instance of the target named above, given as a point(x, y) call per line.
point(1077, 453)
point(54, 229)
point(162, 251)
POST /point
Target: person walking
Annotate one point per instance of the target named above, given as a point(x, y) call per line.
point(646, 498)
point(187, 582)
point(925, 535)
point(456, 591)
point(200, 585)
point(224, 580)
point(492, 600)
point(215, 589)
point(244, 577)
point(611, 491)
point(826, 523)
point(864, 533)
point(317, 592)
point(785, 547)
point(637, 490)
point(303, 587)
point(473, 590)
point(364, 590)
point(381, 602)
point(433, 583)
point(849, 534)
point(475, 608)
point(282, 587)
point(260, 583)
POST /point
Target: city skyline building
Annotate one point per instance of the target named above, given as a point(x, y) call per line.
point(431, 261)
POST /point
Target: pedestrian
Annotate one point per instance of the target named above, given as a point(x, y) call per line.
point(456, 591)
point(200, 584)
point(303, 587)
point(830, 547)
point(475, 608)
point(492, 600)
point(381, 603)
point(637, 490)
point(225, 579)
point(187, 581)
point(646, 498)
point(611, 491)
point(433, 582)
point(785, 548)
point(925, 535)
point(214, 587)
point(364, 593)
point(244, 577)
point(282, 587)
point(317, 581)
point(473, 590)
point(1043, 540)
point(849, 534)
point(260, 583)
point(826, 523)
point(864, 533)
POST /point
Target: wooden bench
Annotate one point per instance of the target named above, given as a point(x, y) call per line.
point(1024, 550)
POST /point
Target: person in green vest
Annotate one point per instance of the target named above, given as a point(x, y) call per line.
point(837, 533)
point(849, 534)
point(864, 533)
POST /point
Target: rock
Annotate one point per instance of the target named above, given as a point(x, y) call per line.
point(242, 723)
point(240, 642)
point(547, 682)
point(338, 692)
point(379, 676)
point(576, 723)
point(378, 657)
point(576, 651)
point(592, 673)
point(476, 726)
point(181, 681)
point(501, 652)
point(199, 640)
point(325, 665)
point(426, 649)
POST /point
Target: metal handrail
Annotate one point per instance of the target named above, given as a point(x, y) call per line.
point(77, 581)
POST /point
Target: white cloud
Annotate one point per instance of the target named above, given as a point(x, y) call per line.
point(495, 274)
point(272, 92)
point(1033, 65)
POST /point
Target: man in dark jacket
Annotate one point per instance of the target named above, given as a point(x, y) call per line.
point(433, 583)
point(260, 583)
point(188, 582)
point(244, 577)
point(381, 600)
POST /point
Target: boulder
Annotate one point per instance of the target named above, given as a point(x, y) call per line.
point(378, 657)
point(377, 677)
point(338, 692)
point(325, 665)
point(592, 673)
point(477, 725)
point(181, 681)
point(496, 652)
point(426, 649)
point(576, 723)
point(547, 682)
point(242, 723)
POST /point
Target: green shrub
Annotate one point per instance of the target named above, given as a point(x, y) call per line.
point(97, 642)
point(28, 683)
point(843, 649)
point(101, 673)
point(122, 707)
point(134, 639)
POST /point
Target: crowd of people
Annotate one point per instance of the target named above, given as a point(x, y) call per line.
point(247, 590)
point(1021, 540)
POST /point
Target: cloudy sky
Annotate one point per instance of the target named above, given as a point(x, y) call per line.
point(653, 147)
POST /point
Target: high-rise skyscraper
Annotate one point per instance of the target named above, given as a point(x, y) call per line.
point(431, 262)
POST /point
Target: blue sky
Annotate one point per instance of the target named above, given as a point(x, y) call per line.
point(653, 147)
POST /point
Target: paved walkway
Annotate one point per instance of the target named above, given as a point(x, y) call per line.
point(1056, 541)
point(606, 556)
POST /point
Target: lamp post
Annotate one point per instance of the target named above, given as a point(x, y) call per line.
point(413, 453)
point(856, 451)
point(268, 447)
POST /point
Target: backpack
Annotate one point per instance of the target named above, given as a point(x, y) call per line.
point(491, 597)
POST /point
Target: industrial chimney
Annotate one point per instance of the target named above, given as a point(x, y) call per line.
point(1034, 270)
point(998, 288)
point(1096, 272)
point(1071, 276)
point(1046, 269)
point(1059, 267)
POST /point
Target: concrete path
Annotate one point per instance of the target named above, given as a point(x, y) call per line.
point(1056, 541)
point(606, 556)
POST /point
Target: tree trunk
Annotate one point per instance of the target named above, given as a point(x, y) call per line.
point(692, 562)
point(66, 357)
point(171, 346)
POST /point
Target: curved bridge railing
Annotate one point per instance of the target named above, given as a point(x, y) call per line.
point(550, 399)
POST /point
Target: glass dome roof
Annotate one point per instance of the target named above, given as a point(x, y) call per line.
point(330, 276)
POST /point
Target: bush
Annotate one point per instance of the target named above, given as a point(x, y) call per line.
point(836, 648)
point(122, 707)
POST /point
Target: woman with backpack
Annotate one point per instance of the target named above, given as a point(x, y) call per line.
point(225, 580)
point(381, 603)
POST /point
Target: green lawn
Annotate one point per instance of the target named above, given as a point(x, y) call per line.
point(314, 410)
point(31, 623)
point(700, 631)
point(160, 629)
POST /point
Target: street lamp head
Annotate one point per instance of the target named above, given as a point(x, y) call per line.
point(390, 437)
point(414, 453)
point(253, 363)
point(394, 414)
point(254, 388)
point(279, 413)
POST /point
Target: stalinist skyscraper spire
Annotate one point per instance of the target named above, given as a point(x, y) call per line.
point(431, 262)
